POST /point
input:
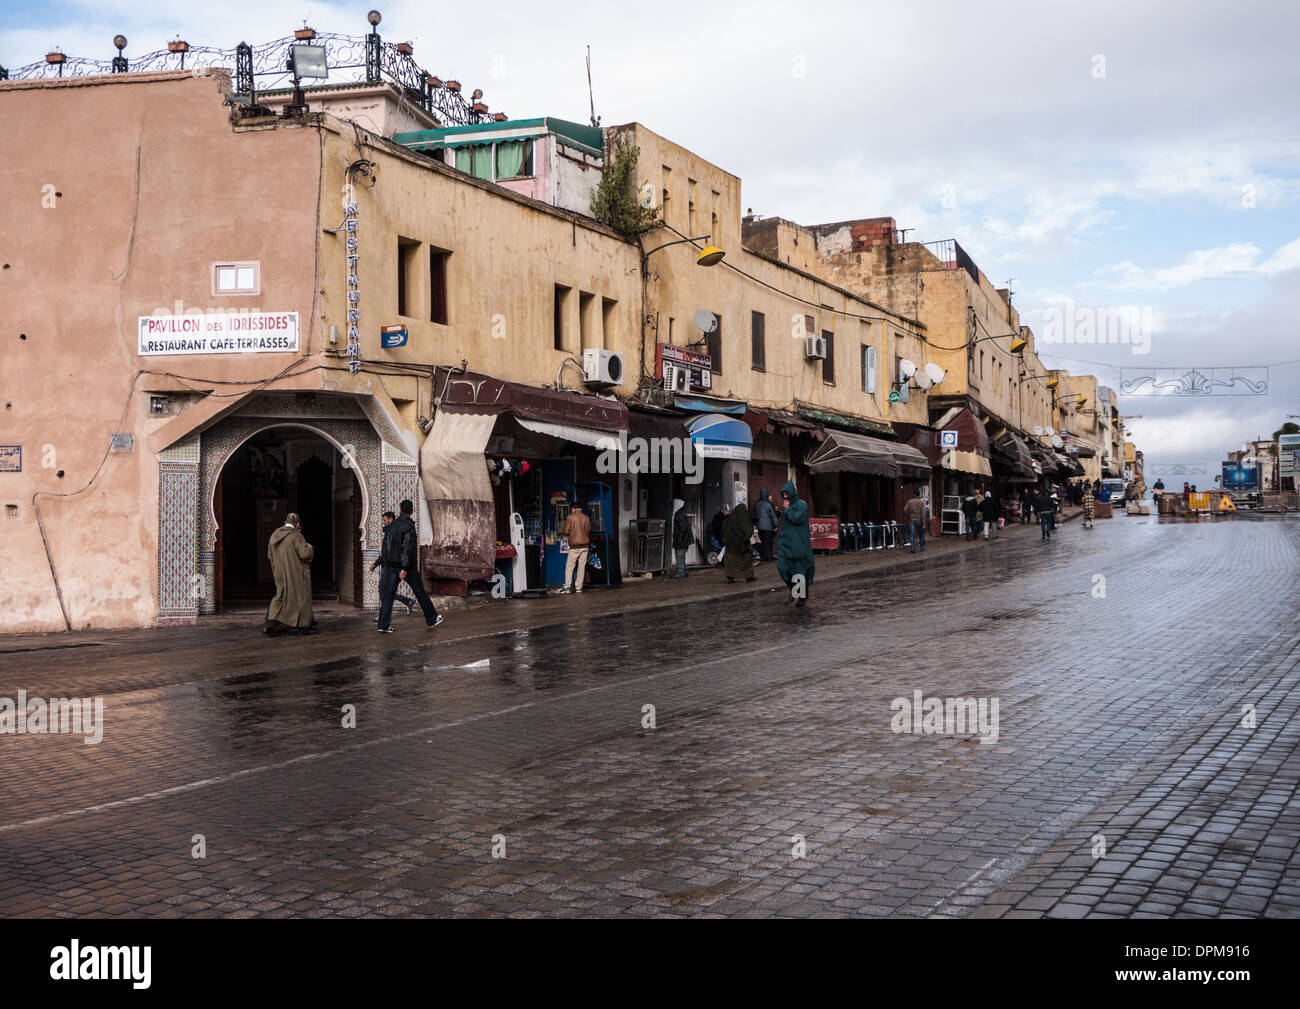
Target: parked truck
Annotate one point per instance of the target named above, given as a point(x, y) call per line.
point(1241, 482)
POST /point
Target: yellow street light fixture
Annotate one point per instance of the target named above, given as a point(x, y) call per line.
point(710, 255)
point(1018, 345)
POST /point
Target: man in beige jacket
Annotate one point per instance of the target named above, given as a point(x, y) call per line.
point(577, 530)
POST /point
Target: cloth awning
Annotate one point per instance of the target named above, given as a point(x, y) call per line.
point(1013, 455)
point(1069, 466)
point(720, 436)
point(845, 452)
point(568, 432)
point(843, 421)
point(469, 392)
point(971, 433)
point(966, 462)
point(792, 425)
point(1047, 462)
point(459, 493)
point(911, 462)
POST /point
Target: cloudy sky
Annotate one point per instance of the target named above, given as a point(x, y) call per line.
point(1106, 155)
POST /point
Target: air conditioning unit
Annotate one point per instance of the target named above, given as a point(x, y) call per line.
point(601, 367)
point(814, 348)
point(676, 379)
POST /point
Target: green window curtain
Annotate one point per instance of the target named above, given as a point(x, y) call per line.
point(510, 159)
point(514, 159)
point(462, 159)
point(482, 161)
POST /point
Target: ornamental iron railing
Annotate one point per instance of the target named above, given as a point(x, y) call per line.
point(351, 59)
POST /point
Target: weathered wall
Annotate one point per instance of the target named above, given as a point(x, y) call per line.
point(507, 254)
point(746, 282)
point(76, 277)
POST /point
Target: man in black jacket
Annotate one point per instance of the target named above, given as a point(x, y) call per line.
point(1044, 506)
point(970, 508)
point(399, 562)
point(990, 512)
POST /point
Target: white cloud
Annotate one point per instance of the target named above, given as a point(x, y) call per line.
point(1235, 260)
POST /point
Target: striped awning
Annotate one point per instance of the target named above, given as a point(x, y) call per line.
point(966, 462)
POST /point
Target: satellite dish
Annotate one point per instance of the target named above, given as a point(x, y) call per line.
point(923, 380)
point(1038, 430)
point(1056, 441)
point(906, 368)
point(706, 320)
point(936, 373)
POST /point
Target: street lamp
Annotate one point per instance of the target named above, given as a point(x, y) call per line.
point(710, 255)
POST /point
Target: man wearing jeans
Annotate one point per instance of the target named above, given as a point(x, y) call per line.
point(1043, 506)
point(577, 530)
point(399, 561)
point(914, 513)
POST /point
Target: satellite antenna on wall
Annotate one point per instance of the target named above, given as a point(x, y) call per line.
point(936, 373)
point(591, 97)
point(706, 321)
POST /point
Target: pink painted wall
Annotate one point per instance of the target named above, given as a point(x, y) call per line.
point(75, 277)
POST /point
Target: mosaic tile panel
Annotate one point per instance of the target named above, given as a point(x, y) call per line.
point(178, 535)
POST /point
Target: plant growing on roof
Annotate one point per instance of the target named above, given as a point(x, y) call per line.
point(615, 202)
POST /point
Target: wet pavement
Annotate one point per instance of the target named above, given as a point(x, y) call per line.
point(507, 763)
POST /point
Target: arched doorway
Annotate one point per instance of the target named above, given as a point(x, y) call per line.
point(278, 470)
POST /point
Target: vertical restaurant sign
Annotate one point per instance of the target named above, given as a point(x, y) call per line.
point(354, 285)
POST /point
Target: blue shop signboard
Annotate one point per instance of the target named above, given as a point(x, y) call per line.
point(393, 336)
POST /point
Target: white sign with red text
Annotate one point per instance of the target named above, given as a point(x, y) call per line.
point(227, 333)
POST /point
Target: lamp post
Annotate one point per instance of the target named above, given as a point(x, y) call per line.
point(710, 255)
point(119, 61)
point(372, 46)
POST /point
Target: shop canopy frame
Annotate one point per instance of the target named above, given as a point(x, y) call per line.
point(847, 452)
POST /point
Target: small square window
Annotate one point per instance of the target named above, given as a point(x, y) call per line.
point(236, 278)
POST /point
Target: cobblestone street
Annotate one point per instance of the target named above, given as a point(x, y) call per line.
point(771, 783)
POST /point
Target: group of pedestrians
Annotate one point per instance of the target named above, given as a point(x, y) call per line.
point(983, 513)
point(734, 534)
point(291, 555)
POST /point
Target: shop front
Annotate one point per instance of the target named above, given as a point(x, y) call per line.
point(502, 467)
point(861, 483)
point(723, 444)
point(956, 445)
